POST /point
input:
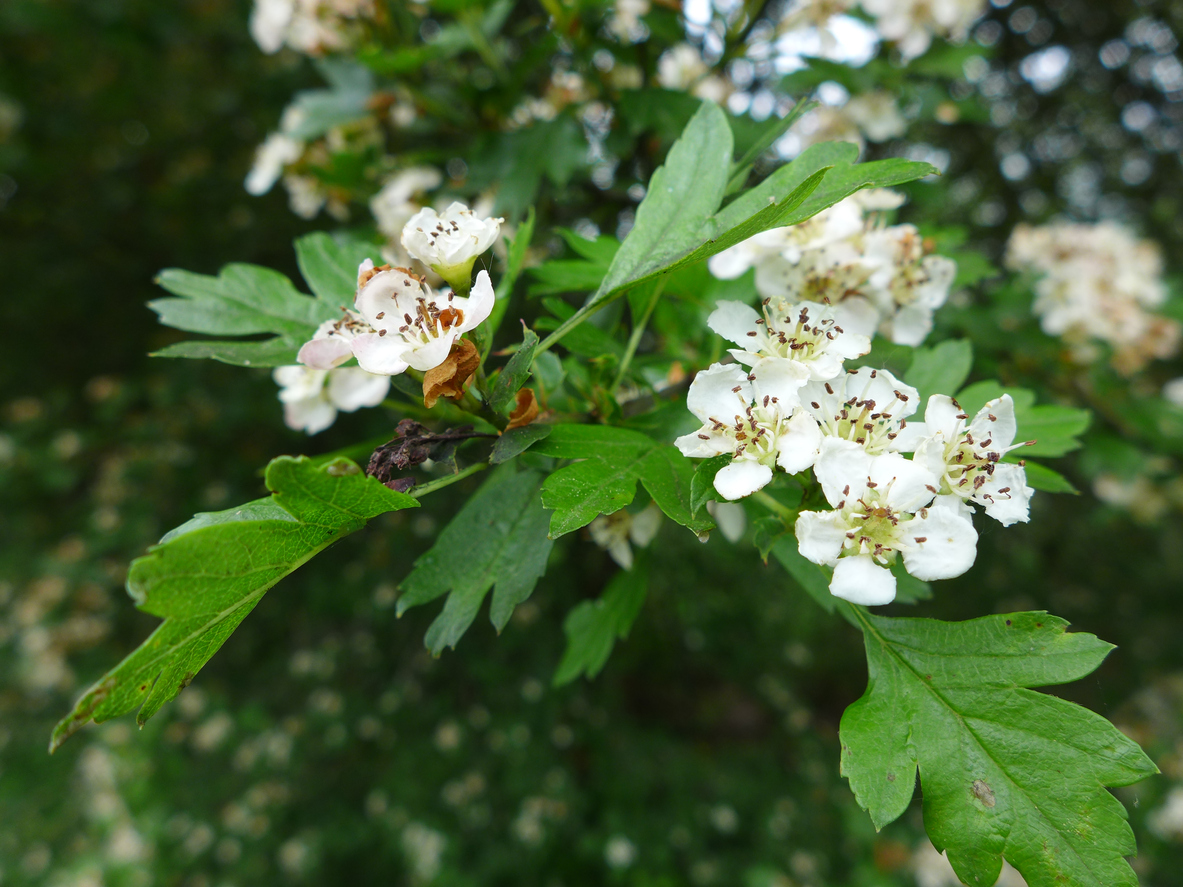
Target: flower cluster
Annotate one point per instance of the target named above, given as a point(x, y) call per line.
point(796, 407)
point(1097, 283)
point(881, 277)
point(909, 24)
point(313, 27)
point(398, 321)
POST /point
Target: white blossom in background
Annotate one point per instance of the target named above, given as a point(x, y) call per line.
point(1172, 392)
point(966, 455)
point(398, 200)
point(313, 27)
point(880, 512)
point(449, 243)
point(755, 419)
point(625, 21)
point(614, 532)
point(879, 278)
point(911, 24)
point(1097, 283)
point(271, 157)
point(312, 398)
point(877, 114)
point(1166, 821)
point(681, 67)
point(306, 195)
point(410, 324)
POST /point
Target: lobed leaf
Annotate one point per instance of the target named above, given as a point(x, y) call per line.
point(497, 540)
point(209, 573)
point(941, 369)
point(329, 265)
point(1005, 771)
point(593, 627)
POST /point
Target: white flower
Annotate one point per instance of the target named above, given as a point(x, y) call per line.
point(907, 283)
point(967, 458)
point(332, 344)
point(276, 152)
point(877, 114)
point(394, 205)
point(868, 408)
point(1172, 391)
point(269, 23)
point(1167, 821)
point(878, 512)
point(625, 22)
point(311, 405)
point(412, 326)
point(912, 23)
point(613, 532)
point(306, 195)
point(833, 274)
point(450, 243)
point(680, 67)
point(730, 518)
point(752, 418)
point(806, 334)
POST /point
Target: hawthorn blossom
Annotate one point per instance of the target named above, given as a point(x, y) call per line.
point(911, 24)
point(410, 325)
point(754, 418)
point(394, 205)
point(276, 152)
point(312, 397)
point(332, 343)
point(450, 243)
point(806, 334)
point(877, 114)
point(614, 532)
point(309, 26)
point(907, 283)
point(880, 512)
point(625, 20)
point(867, 408)
point(967, 458)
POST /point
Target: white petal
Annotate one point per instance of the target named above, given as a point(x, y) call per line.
point(741, 478)
point(432, 354)
point(391, 294)
point(298, 382)
point(731, 263)
point(692, 446)
point(950, 542)
point(860, 580)
point(995, 422)
point(1010, 507)
point(730, 518)
point(842, 468)
point(941, 416)
point(382, 355)
point(733, 321)
point(645, 525)
point(859, 319)
point(312, 415)
point(796, 448)
point(621, 552)
point(351, 388)
point(911, 324)
point(820, 535)
point(325, 353)
point(712, 395)
point(479, 304)
point(780, 378)
point(907, 484)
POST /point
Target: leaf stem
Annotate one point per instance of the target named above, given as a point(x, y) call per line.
point(786, 514)
point(634, 338)
point(441, 482)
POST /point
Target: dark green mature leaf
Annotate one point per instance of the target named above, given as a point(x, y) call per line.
point(516, 441)
point(702, 485)
point(814, 579)
point(1040, 477)
point(241, 300)
point(208, 574)
point(514, 376)
point(593, 627)
point(497, 539)
point(329, 265)
point(613, 460)
point(941, 369)
point(1005, 771)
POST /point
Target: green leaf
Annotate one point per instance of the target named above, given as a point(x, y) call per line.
point(941, 369)
point(209, 573)
point(1004, 771)
point(497, 539)
point(613, 460)
point(702, 485)
point(515, 259)
point(329, 265)
point(593, 627)
point(514, 376)
point(1055, 429)
point(516, 441)
point(1040, 477)
point(241, 300)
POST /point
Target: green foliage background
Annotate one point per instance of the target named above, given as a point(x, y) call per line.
point(323, 732)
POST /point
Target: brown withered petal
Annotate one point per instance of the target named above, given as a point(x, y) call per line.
point(449, 378)
point(364, 277)
point(525, 412)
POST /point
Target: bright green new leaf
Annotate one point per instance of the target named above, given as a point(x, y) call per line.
point(242, 300)
point(593, 627)
point(329, 265)
point(612, 461)
point(941, 369)
point(209, 573)
point(514, 376)
point(1004, 771)
point(497, 539)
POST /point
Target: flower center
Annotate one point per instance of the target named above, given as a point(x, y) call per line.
point(875, 528)
point(862, 420)
point(802, 338)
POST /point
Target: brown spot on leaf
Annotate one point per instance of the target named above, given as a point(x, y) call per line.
point(983, 792)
